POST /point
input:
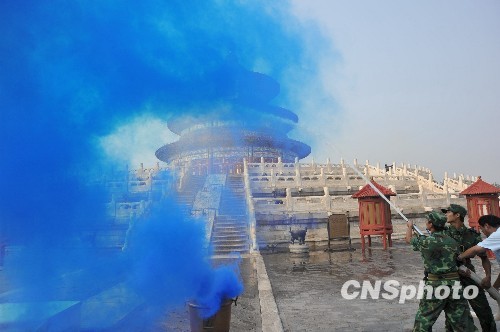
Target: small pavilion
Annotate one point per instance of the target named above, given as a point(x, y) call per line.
point(482, 199)
point(374, 213)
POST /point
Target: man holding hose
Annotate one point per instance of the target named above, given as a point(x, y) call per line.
point(439, 252)
point(490, 226)
point(468, 238)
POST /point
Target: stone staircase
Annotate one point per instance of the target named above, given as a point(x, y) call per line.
point(230, 230)
point(187, 194)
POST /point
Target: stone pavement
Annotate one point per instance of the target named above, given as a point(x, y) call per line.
point(286, 292)
point(307, 289)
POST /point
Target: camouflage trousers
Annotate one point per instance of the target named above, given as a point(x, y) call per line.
point(456, 311)
point(481, 307)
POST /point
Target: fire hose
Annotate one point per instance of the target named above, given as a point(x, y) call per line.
point(492, 291)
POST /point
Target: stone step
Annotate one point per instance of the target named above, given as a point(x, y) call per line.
point(236, 220)
point(231, 225)
point(226, 216)
point(230, 237)
point(237, 228)
point(229, 252)
point(229, 247)
point(220, 235)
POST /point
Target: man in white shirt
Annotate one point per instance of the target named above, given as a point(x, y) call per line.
point(489, 225)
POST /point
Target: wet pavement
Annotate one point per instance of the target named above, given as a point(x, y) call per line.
point(307, 289)
point(306, 293)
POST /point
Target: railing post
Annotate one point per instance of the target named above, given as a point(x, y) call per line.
point(251, 209)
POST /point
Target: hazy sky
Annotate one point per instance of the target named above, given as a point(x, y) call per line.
point(414, 82)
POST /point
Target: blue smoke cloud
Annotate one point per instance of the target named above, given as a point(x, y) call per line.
point(71, 72)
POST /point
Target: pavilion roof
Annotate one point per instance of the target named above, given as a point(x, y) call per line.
point(368, 191)
point(480, 187)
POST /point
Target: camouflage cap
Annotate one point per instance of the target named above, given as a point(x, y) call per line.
point(437, 219)
point(455, 208)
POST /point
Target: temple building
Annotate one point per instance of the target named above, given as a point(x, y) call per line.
point(235, 167)
point(241, 124)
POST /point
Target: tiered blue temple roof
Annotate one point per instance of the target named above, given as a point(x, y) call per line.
point(239, 123)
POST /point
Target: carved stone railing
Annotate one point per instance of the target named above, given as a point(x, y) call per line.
point(252, 223)
point(409, 203)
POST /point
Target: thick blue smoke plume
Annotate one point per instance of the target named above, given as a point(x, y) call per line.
point(70, 72)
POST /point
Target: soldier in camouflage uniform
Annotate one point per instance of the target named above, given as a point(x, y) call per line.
point(439, 252)
point(467, 238)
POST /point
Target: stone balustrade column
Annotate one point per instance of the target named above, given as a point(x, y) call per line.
point(280, 166)
point(327, 198)
point(289, 199)
point(344, 175)
point(405, 174)
point(447, 193)
point(328, 165)
point(423, 195)
point(298, 178)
